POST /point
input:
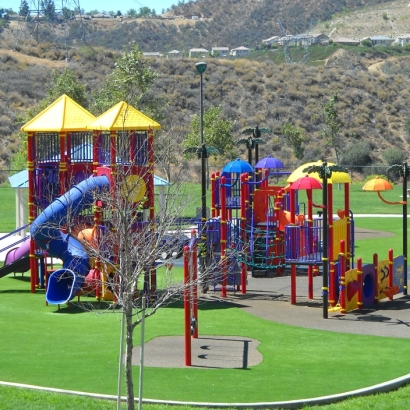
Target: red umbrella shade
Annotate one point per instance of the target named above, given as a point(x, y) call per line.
point(269, 162)
point(377, 184)
point(306, 182)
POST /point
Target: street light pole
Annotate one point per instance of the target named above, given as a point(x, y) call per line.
point(201, 67)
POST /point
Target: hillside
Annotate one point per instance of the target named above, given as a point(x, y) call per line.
point(372, 85)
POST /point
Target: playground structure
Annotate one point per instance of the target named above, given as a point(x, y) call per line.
point(263, 228)
point(255, 225)
point(266, 228)
point(72, 160)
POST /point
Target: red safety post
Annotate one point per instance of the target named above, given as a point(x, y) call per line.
point(194, 259)
point(244, 269)
point(310, 227)
point(390, 274)
point(187, 308)
point(360, 280)
point(293, 284)
point(342, 280)
point(223, 235)
point(348, 226)
point(332, 273)
point(213, 195)
point(376, 278)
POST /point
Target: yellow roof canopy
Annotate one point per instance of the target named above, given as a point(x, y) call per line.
point(123, 117)
point(64, 114)
point(337, 176)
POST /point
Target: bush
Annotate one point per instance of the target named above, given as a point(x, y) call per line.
point(394, 156)
point(357, 155)
point(367, 43)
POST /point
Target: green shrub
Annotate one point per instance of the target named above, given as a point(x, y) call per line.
point(394, 155)
point(357, 155)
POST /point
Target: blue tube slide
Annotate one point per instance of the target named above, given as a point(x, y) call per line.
point(45, 230)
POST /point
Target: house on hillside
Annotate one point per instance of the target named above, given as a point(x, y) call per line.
point(289, 39)
point(346, 41)
point(307, 39)
point(239, 51)
point(198, 52)
point(152, 54)
point(403, 40)
point(379, 40)
point(174, 54)
point(271, 40)
point(221, 51)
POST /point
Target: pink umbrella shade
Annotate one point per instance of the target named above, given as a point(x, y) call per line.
point(269, 162)
point(306, 182)
point(377, 184)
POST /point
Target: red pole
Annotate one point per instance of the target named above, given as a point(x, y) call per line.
point(31, 157)
point(244, 269)
point(332, 274)
point(310, 228)
point(187, 309)
point(342, 260)
point(293, 284)
point(360, 280)
point(63, 163)
point(223, 235)
point(391, 274)
point(195, 287)
point(150, 187)
point(213, 195)
point(376, 278)
point(347, 216)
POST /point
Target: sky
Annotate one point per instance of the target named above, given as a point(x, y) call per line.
point(100, 5)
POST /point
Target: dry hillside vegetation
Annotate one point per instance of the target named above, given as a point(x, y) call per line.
point(373, 104)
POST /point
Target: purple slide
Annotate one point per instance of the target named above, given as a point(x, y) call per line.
point(64, 283)
point(17, 259)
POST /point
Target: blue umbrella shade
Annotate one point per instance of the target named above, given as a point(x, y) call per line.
point(269, 163)
point(237, 166)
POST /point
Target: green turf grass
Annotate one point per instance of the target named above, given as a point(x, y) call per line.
point(365, 248)
point(79, 351)
point(18, 398)
point(7, 208)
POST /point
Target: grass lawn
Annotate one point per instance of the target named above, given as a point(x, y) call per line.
point(71, 349)
point(16, 398)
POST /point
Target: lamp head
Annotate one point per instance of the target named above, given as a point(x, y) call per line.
point(201, 67)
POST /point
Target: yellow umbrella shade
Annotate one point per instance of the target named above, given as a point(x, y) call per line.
point(377, 184)
point(337, 176)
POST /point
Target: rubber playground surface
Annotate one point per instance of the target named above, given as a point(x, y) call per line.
point(269, 298)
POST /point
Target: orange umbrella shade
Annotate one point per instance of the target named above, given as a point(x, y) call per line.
point(306, 182)
point(377, 184)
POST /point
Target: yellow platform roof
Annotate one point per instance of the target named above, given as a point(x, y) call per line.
point(64, 114)
point(123, 117)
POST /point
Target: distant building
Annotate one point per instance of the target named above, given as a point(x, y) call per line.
point(152, 54)
point(403, 40)
point(379, 40)
point(223, 51)
point(346, 41)
point(174, 54)
point(271, 40)
point(239, 51)
point(198, 52)
point(195, 17)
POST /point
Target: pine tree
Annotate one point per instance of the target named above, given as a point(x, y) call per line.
point(24, 9)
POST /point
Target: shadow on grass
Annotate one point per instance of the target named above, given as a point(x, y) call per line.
point(73, 308)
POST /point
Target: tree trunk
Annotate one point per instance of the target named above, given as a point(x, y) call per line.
point(128, 353)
